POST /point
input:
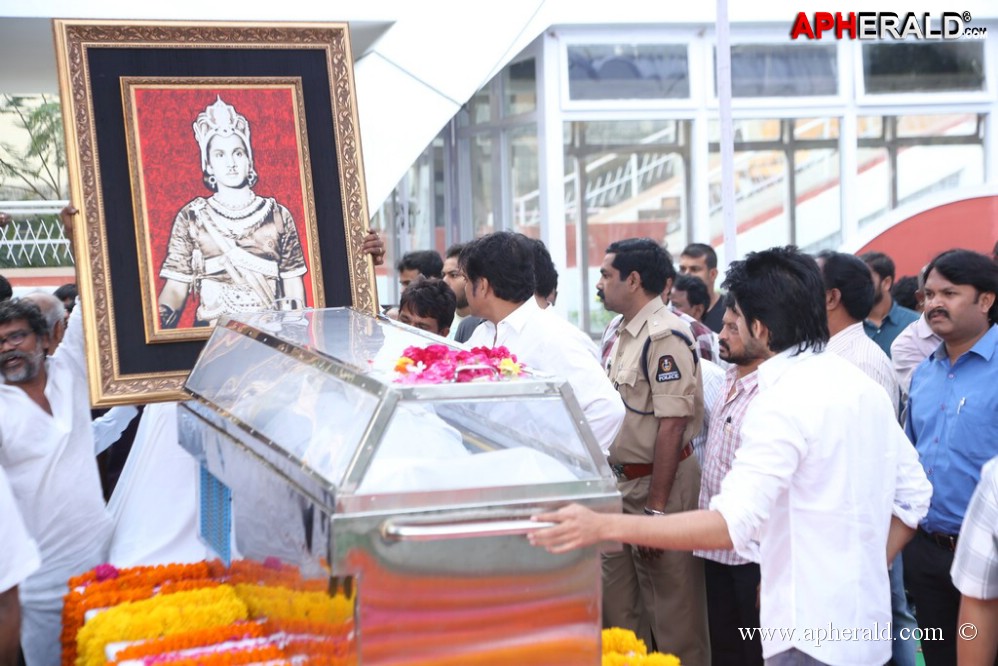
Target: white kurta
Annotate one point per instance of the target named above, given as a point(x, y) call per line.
point(49, 460)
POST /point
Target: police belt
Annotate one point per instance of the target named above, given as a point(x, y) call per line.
point(631, 471)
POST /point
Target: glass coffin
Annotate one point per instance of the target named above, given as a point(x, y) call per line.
point(417, 495)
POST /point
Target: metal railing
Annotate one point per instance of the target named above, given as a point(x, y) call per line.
point(35, 238)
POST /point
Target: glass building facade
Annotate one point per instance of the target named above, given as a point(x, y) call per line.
point(592, 135)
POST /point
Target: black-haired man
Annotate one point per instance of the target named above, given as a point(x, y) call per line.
point(887, 318)
point(952, 418)
point(821, 510)
point(654, 366)
point(47, 451)
point(689, 295)
point(700, 260)
point(419, 262)
point(428, 304)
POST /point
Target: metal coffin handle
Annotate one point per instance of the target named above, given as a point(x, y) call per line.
point(421, 530)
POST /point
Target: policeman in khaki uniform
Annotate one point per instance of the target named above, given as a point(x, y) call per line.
point(653, 365)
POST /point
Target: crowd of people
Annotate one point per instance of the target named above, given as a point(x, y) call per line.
point(796, 451)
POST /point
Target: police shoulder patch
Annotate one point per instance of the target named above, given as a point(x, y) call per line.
point(668, 371)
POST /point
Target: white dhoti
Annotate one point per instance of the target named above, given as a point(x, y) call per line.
point(154, 505)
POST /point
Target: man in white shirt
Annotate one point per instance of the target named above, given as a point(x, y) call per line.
point(821, 510)
point(47, 452)
point(849, 296)
point(500, 271)
point(18, 559)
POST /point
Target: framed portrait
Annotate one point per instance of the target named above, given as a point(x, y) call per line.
point(217, 170)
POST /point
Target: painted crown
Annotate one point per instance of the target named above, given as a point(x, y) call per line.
point(220, 119)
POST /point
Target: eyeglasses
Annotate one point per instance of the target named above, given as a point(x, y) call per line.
point(15, 339)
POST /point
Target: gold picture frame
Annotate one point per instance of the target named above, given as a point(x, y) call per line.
point(145, 104)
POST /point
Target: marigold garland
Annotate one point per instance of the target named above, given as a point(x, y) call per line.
point(280, 602)
point(191, 639)
point(162, 615)
point(157, 607)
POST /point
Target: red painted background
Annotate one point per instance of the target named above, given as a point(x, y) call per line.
point(971, 224)
point(171, 159)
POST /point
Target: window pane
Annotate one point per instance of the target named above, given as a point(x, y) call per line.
point(923, 67)
point(760, 199)
point(818, 224)
point(637, 190)
point(614, 133)
point(478, 109)
point(783, 70)
point(816, 128)
point(482, 216)
point(628, 71)
point(520, 88)
point(951, 124)
point(525, 180)
point(873, 182)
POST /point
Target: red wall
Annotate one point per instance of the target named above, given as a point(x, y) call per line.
point(971, 224)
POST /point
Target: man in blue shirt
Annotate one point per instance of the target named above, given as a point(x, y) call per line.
point(887, 319)
point(953, 422)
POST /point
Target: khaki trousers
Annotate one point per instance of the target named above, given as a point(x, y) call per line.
point(662, 598)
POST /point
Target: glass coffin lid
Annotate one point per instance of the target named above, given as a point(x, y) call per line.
point(319, 387)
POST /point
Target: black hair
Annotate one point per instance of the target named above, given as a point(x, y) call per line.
point(453, 251)
point(880, 263)
point(6, 291)
point(848, 274)
point(66, 291)
point(904, 292)
point(645, 257)
point(18, 308)
point(697, 250)
point(430, 297)
point(696, 290)
point(545, 274)
point(427, 262)
point(781, 288)
point(967, 267)
point(506, 260)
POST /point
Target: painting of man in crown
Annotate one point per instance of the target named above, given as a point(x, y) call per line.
point(226, 221)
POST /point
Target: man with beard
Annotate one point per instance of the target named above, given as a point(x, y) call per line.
point(953, 422)
point(47, 451)
point(732, 580)
point(887, 318)
point(464, 322)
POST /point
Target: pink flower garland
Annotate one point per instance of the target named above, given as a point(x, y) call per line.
point(437, 364)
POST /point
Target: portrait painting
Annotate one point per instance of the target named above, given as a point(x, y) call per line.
point(224, 224)
point(217, 170)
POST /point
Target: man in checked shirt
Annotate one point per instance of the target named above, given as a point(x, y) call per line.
point(732, 581)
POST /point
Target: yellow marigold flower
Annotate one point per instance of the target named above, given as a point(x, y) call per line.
point(622, 641)
point(159, 616)
point(659, 659)
point(509, 367)
point(402, 365)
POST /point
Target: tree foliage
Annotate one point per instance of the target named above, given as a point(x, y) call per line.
point(33, 165)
